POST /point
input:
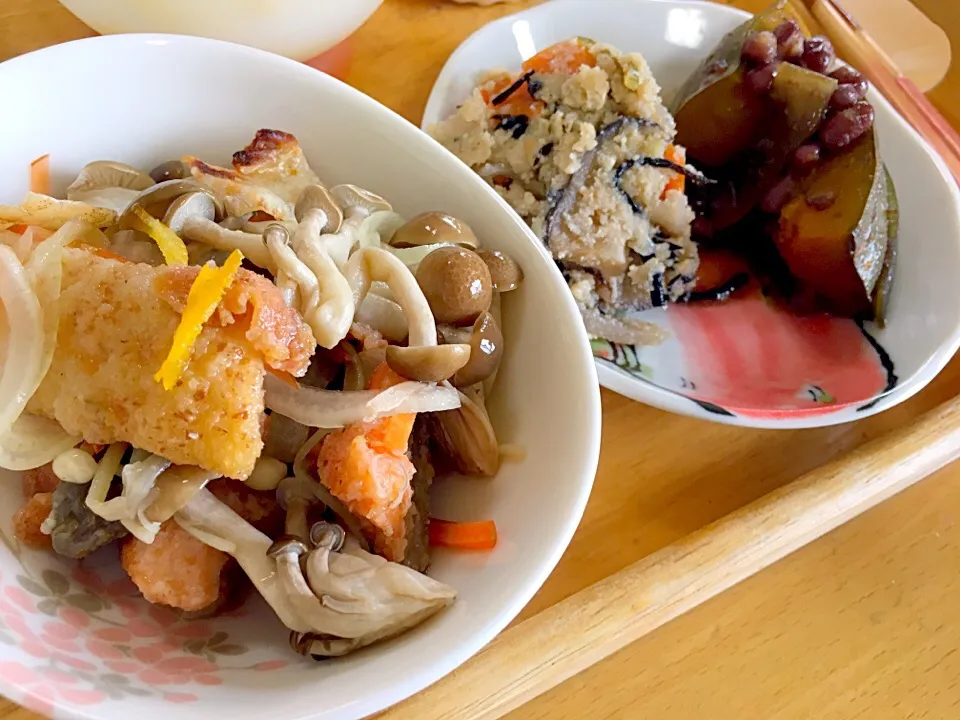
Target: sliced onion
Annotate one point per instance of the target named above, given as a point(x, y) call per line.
point(332, 409)
point(412, 257)
point(21, 244)
point(139, 490)
point(114, 198)
point(378, 228)
point(23, 363)
point(34, 441)
point(354, 378)
point(31, 301)
point(367, 265)
point(103, 478)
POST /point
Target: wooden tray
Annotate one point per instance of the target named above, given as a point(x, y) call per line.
point(679, 523)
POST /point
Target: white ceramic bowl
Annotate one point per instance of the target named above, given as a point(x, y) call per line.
point(298, 29)
point(742, 362)
point(77, 642)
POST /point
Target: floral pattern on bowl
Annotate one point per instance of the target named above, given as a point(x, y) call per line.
point(91, 639)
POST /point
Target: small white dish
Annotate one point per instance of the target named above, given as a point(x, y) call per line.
point(741, 363)
point(298, 29)
point(76, 641)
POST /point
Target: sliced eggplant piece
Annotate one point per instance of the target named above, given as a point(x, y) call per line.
point(77, 530)
point(417, 555)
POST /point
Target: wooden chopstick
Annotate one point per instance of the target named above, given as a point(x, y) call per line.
point(854, 44)
point(596, 622)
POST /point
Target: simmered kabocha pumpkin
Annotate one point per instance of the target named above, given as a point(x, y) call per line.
point(788, 135)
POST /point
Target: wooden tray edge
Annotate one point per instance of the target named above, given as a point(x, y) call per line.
point(541, 652)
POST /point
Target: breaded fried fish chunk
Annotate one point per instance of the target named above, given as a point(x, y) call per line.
point(117, 323)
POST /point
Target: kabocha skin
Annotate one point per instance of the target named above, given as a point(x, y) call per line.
point(789, 136)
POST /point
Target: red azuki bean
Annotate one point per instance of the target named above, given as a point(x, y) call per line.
point(851, 78)
point(845, 96)
point(806, 156)
point(760, 48)
point(846, 126)
point(778, 195)
point(761, 79)
point(789, 40)
point(818, 54)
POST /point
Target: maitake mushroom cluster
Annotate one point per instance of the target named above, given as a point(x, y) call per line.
point(419, 294)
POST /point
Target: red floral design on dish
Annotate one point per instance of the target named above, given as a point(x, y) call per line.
point(753, 358)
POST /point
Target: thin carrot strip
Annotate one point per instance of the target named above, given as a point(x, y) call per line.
point(40, 175)
point(463, 535)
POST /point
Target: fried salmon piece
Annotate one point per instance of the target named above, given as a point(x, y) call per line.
point(115, 331)
point(176, 570)
point(260, 509)
point(39, 480)
point(251, 301)
point(367, 468)
point(29, 518)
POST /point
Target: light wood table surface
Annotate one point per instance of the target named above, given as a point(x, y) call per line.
point(863, 623)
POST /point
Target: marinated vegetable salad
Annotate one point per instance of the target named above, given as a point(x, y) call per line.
point(241, 369)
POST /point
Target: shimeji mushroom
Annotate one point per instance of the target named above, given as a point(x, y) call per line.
point(332, 316)
point(309, 279)
point(486, 351)
point(213, 523)
point(432, 228)
point(205, 231)
point(348, 599)
point(296, 496)
point(170, 170)
point(357, 205)
point(157, 199)
point(317, 197)
point(296, 282)
point(505, 273)
point(108, 184)
point(428, 363)
point(364, 597)
point(423, 359)
point(197, 204)
point(456, 283)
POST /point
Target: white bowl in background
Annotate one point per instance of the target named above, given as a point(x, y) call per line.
point(742, 362)
point(298, 29)
point(76, 641)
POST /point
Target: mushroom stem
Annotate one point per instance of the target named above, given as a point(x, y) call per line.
point(298, 285)
point(296, 497)
point(296, 520)
point(331, 319)
point(369, 264)
point(205, 517)
point(252, 246)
